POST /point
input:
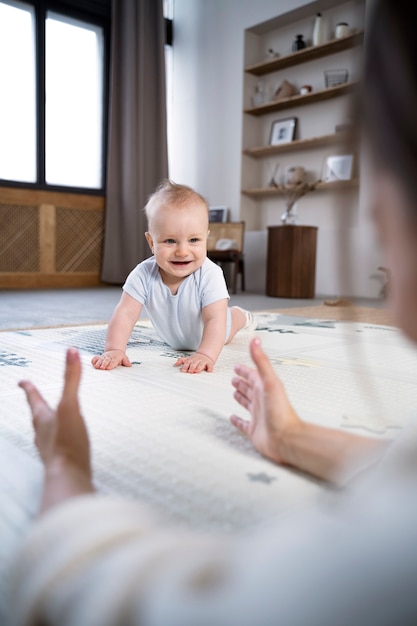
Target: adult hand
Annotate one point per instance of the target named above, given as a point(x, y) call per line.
point(61, 436)
point(195, 363)
point(262, 393)
point(111, 359)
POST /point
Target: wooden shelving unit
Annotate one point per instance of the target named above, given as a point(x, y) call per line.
point(299, 144)
point(291, 249)
point(312, 140)
point(307, 54)
point(301, 100)
point(268, 192)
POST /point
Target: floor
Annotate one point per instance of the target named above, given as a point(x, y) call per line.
point(53, 307)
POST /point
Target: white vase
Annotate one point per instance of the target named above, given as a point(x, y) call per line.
point(290, 216)
point(318, 37)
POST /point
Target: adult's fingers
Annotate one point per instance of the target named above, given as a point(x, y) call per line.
point(72, 375)
point(243, 370)
point(242, 399)
point(262, 362)
point(240, 424)
point(34, 398)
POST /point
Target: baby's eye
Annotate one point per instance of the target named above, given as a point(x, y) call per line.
point(194, 240)
point(169, 240)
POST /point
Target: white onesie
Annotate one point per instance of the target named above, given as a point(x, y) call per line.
point(177, 319)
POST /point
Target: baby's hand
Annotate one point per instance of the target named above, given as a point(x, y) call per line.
point(195, 363)
point(111, 359)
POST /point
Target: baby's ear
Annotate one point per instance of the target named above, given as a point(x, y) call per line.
point(149, 240)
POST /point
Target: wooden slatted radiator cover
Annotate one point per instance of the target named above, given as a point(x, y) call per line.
point(50, 239)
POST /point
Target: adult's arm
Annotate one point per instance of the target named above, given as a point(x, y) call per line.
point(278, 433)
point(62, 439)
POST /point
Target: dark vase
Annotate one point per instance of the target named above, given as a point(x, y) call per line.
point(299, 43)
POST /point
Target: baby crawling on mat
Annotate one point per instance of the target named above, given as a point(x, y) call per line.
point(184, 293)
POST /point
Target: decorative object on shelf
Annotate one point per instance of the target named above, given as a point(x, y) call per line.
point(294, 175)
point(273, 180)
point(342, 30)
point(305, 89)
point(338, 167)
point(272, 54)
point(318, 35)
point(293, 192)
point(298, 44)
point(285, 90)
point(258, 97)
point(345, 127)
point(218, 214)
point(283, 131)
point(332, 78)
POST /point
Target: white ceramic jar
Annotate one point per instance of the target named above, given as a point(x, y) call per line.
point(342, 30)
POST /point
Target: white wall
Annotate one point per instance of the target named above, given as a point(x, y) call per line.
point(206, 130)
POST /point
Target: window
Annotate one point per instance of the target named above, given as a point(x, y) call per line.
point(74, 103)
point(53, 69)
point(18, 101)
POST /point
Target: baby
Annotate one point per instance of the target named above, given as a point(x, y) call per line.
point(184, 293)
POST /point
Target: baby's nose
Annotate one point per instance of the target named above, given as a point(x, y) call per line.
point(182, 248)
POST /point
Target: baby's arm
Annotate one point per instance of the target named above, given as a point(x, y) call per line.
point(120, 328)
point(214, 336)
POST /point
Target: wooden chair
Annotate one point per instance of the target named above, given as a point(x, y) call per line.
point(235, 232)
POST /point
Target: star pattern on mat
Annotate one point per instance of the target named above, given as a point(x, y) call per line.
point(10, 358)
point(372, 423)
point(295, 361)
point(282, 331)
point(261, 478)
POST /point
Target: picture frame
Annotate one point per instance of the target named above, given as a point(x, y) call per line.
point(283, 131)
point(218, 214)
point(338, 167)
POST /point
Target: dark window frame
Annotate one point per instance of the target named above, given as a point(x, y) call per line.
point(98, 13)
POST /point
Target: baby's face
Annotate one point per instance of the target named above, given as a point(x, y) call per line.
point(178, 238)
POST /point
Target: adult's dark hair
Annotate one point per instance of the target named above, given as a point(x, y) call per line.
point(388, 101)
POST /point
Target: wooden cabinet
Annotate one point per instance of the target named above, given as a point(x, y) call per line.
point(318, 112)
point(291, 261)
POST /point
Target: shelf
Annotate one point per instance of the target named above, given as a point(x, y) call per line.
point(307, 54)
point(269, 192)
point(295, 101)
point(320, 112)
point(298, 144)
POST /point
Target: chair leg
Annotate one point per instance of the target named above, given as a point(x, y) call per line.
point(235, 273)
point(242, 274)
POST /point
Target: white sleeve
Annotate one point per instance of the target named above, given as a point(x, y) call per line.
point(137, 283)
point(97, 561)
point(213, 284)
point(101, 561)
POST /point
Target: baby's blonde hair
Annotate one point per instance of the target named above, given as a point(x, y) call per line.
point(170, 193)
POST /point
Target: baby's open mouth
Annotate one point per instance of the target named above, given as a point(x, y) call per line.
point(180, 262)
